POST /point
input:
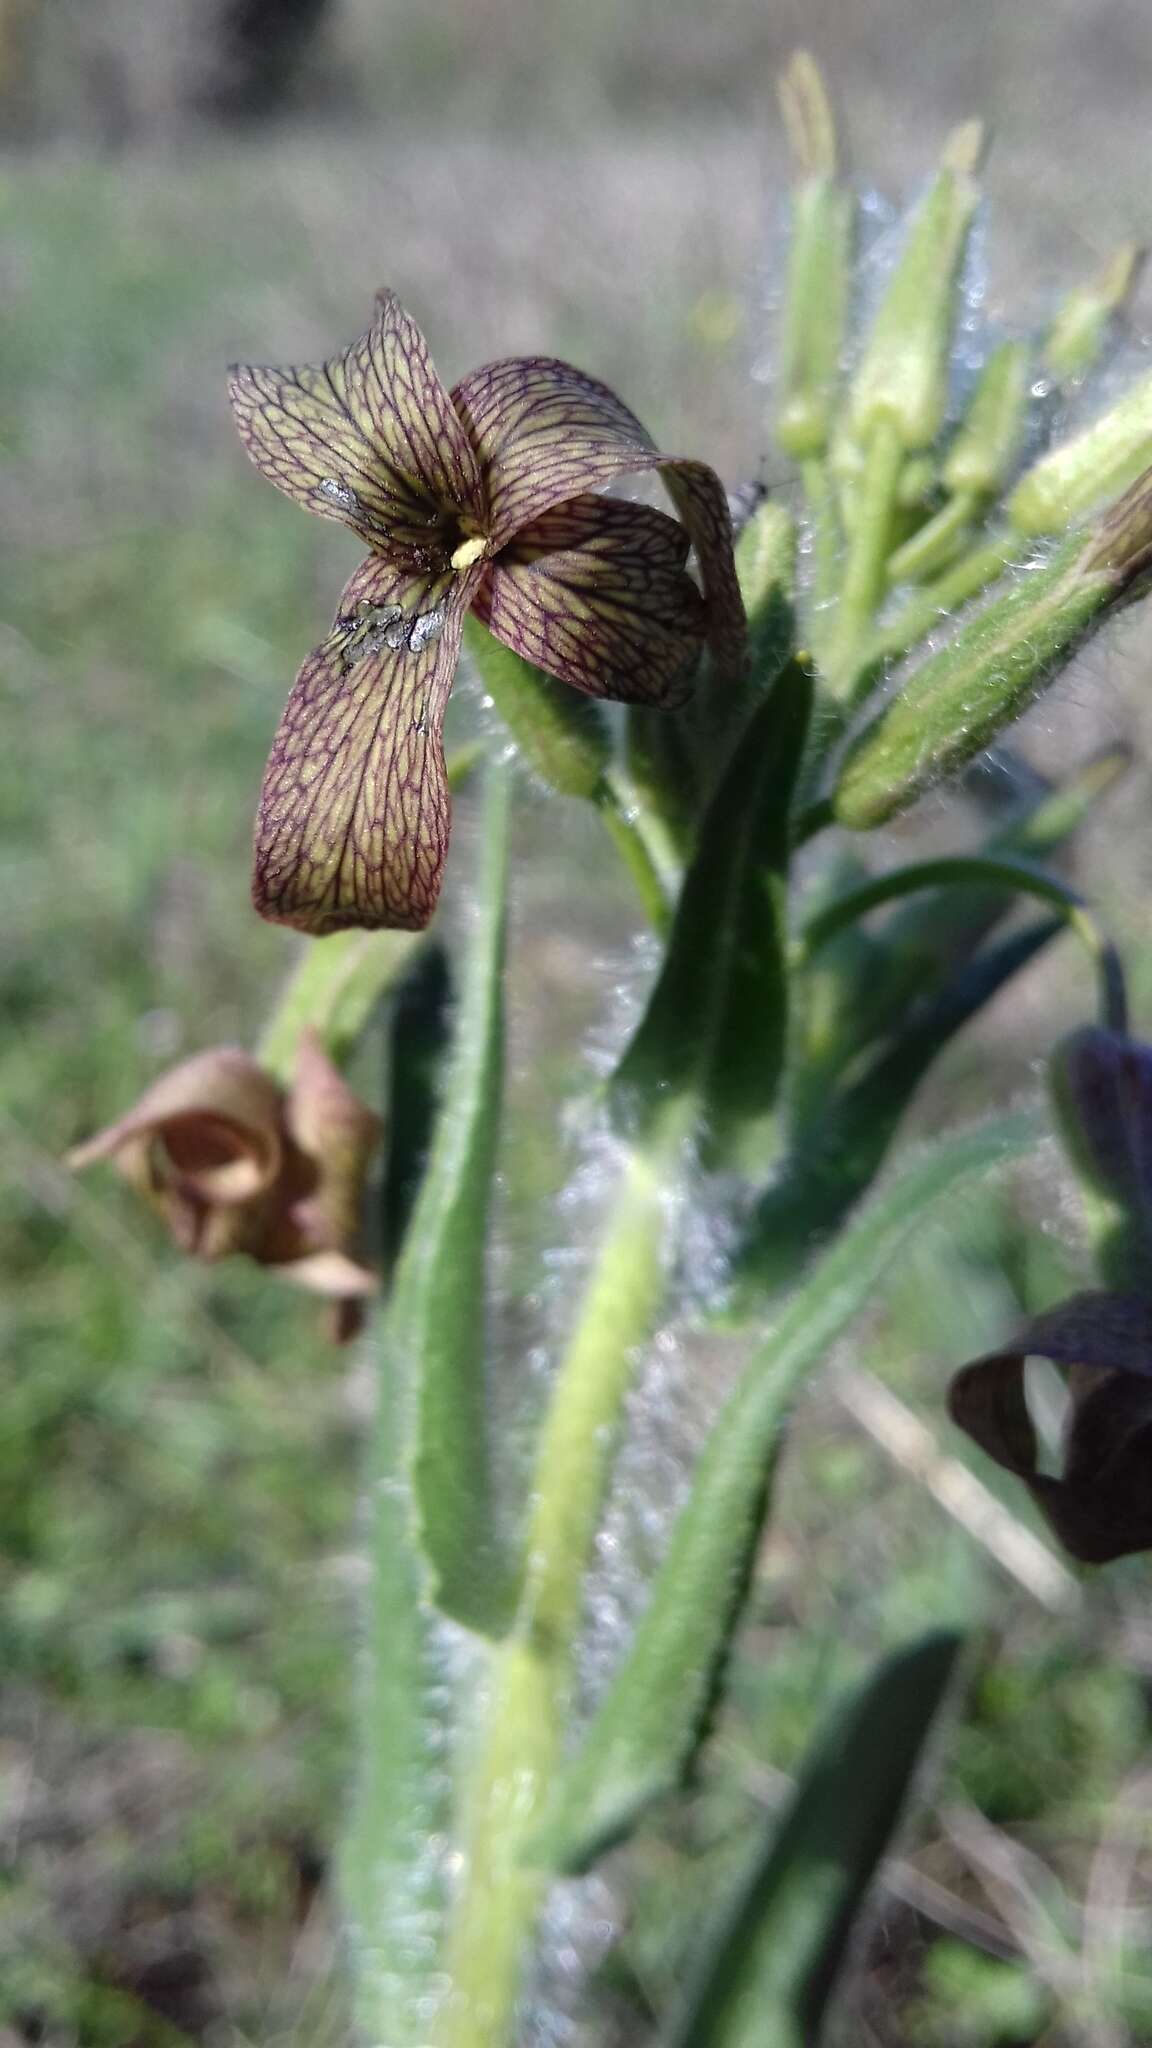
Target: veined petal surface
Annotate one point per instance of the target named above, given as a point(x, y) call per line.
point(596, 593)
point(545, 433)
point(370, 438)
point(354, 812)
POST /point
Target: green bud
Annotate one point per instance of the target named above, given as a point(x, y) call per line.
point(1108, 454)
point(918, 479)
point(986, 444)
point(1079, 333)
point(903, 378)
point(816, 296)
point(765, 570)
point(562, 735)
point(953, 706)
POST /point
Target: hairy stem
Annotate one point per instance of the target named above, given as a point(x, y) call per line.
point(531, 1675)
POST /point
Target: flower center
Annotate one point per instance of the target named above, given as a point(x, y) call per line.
point(469, 551)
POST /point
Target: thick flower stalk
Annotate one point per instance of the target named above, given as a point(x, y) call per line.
point(480, 499)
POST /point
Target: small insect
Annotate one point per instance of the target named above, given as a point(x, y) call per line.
point(339, 494)
point(371, 627)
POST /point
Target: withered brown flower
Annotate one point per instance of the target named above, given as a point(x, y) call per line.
point(232, 1162)
point(1100, 1503)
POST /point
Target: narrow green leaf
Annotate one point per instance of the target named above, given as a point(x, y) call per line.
point(836, 1155)
point(714, 1030)
point(437, 1313)
point(392, 1879)
point(650, 1724)
point(773, 1966)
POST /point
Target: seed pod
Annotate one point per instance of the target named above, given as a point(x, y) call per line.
point(1079, 333)
point(1094, 464)
point(816, 297)
point(903, 378)
point(954, 705)
point(986, 444)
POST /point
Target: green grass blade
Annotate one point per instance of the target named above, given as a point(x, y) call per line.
point(437, 1314)
point(714, 1029)
point(774, 1964)
point(653, 1718)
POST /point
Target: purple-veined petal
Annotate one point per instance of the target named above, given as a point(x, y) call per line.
point(545, 433)
point(595, 592)
point(701, 500)
point(354, 812)
point(370, 438)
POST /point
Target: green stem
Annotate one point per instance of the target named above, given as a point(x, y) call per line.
point(333, 989)
point(933, 545)
point(824, 528)
point(520, 1743)
point(869, 545)
point(981, 870)
point(966, 578)
point(643, 844)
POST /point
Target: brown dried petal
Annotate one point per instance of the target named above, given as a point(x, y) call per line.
point(338, 1134)
point(1101, 1505)
point(212, 1125)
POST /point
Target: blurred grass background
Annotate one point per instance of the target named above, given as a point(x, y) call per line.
point(178, 1451)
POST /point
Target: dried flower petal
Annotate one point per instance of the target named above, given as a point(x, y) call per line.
point(1101, 1505)
point(595, 592)
point(232, 1164)
point(354, 812)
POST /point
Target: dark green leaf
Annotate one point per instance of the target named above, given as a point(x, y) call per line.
point(768, 1975)
point(645, 1734)
point(832, 1163)
point(437, 1315)
point(713, 1033)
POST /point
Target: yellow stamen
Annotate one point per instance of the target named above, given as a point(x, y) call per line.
point(469, 551)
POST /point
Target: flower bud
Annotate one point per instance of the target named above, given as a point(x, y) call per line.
point(1094, 464)
point(954, 705)
point(1101, 1084)
point(1079, 333)
point(765, 556)
point(816, 295)
point(903, 378)
point(986, 444)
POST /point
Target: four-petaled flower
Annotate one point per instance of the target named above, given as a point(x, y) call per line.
point(232, 1162)
point(481, 498)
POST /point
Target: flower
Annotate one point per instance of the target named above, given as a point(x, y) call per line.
point(481, 498)
point(1100, 1503)
point(234, 1163)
